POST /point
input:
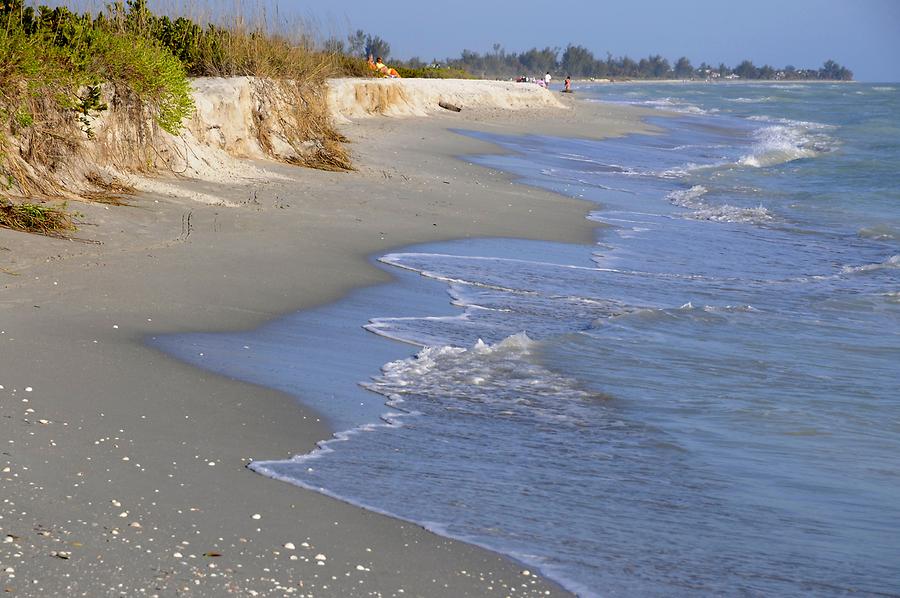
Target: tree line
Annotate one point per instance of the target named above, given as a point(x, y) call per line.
point(580, 62)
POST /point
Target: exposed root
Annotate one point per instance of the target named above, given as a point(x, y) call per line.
point(110, 190)
point(297, 114)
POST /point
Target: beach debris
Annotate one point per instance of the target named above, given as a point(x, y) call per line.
point(212, 554)
point(256, 516)
point(135, 525)
point(449, 106)
point(289, 546)
point(321, 557)
point(61, 554)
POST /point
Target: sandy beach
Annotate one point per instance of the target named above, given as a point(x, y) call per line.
point(123, 471)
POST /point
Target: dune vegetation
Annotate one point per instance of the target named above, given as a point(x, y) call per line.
point(59, 68)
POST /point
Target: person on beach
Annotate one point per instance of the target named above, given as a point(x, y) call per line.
point(568, 88)
point(385, 70)
point(547, 78)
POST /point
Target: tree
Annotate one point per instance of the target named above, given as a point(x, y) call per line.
point(356, 43)
point(833, 71)
point(578, 61)
point(654, 66)
point(746, 70)
point(684, 69)
point(375, 46)
point(539, 61)
point(765, 72)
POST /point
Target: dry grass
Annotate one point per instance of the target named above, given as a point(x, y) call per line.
point(53, 221)
point(290, 74)
point(301, 116)
point(110, 191)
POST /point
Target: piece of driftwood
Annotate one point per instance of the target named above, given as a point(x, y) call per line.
point(449, 106)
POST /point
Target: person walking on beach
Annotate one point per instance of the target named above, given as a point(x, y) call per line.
point(568, 88)
point(547, 78)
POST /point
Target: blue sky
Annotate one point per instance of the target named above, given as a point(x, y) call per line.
point(863, 35)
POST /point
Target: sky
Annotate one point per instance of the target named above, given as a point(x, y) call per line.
point(863, 35)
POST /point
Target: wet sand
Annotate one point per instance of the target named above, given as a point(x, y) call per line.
point(122, 471)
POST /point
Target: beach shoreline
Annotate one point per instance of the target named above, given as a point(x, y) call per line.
point(123, 470)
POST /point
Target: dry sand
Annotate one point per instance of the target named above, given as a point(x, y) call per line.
point(122, 471)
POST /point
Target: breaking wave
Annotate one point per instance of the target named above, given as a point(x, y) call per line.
point(880, 232)
point(692, 199)
point(752, 100)
point(673, 105)
point(892, 263)
point(785, 142)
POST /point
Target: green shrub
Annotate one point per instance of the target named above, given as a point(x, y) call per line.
point(433, 73)
point(145, 68)
point(54, 53)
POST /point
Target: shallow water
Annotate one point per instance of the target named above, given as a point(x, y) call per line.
point(707, 400)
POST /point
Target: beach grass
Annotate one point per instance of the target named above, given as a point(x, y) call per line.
point(50, 220)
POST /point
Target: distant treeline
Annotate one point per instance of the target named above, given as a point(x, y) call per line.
point(580, 62)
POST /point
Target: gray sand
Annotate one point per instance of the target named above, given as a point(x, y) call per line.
point(122, 471)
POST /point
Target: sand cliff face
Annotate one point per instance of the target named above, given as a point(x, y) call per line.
point(237, 122)
point(357, 98)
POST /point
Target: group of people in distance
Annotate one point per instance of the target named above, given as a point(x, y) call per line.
point(545, 81)
point(377, 65)
point(382, 69)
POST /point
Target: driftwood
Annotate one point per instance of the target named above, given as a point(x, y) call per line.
point(449, 106)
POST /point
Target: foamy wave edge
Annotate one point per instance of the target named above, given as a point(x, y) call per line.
point(692, 199)
point(891, 263)
point(516, 343)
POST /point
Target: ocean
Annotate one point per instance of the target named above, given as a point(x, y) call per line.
point(706, 400)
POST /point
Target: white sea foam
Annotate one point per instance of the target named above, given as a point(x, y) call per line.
point(892, 263)
point(730, 309)
point(669, 105)
point(676, 105)
point(688, 198)
point(880, 232)
point(804, 124)
point(781, 143)
point(752, 100)
point(727, 213)
point(692, 199)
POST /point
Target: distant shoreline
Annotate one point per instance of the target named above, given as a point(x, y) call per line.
point(713, 81)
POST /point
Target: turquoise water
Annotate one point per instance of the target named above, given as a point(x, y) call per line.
point(705, 401)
